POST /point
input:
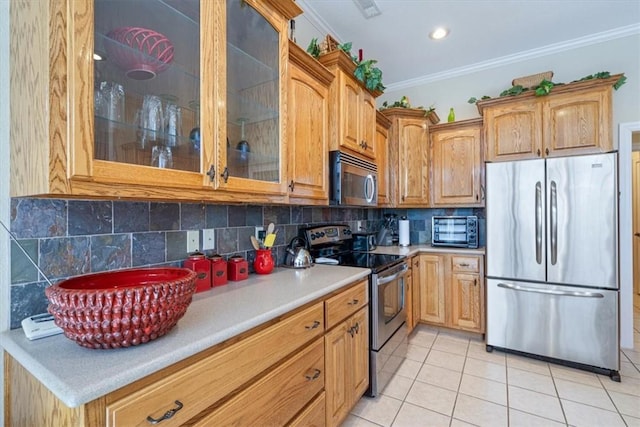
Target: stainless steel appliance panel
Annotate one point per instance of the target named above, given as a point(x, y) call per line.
point(582, 200)
point(387, 303)
point(384, 363)
point(516, 220)
point(563, 322)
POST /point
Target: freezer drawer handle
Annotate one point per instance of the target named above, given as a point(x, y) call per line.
point(551, 291)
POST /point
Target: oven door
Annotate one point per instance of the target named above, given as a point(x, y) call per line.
point(387, 303)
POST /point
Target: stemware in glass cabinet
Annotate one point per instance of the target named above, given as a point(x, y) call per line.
point(253, 94)
point(147, 82)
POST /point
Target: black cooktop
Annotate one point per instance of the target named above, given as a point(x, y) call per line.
point(375, 262)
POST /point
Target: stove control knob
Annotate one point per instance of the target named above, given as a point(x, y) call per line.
point(312, 236)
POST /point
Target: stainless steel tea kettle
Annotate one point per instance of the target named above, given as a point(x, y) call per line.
point(297, 255)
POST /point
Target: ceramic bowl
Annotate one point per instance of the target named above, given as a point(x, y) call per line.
point(121, 308)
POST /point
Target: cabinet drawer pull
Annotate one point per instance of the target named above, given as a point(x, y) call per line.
point(316, 374)
point(546, 150)
point(464, 264)
point(356, 327)
point(351, 331)
point(225, 174)
point(170, 413)
point(315, 325)
point(475, 282)
point(353, 302)
point(292, 185)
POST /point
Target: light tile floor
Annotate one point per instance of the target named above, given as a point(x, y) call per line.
point(448, 379)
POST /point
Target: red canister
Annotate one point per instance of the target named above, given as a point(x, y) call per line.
point(201, 265)
point(237, 268)
point(218, 270)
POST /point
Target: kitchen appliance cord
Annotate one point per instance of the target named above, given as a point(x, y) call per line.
point(13, 237)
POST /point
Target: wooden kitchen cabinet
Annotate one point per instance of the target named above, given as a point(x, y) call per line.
point(352, 108)
point(308, 128)
point(456, 163)
point(307, 367)
point(412, 293)
point(385, 190)
point(575, 118)
point(346, 351)
point(66, 141)
point(452, 291)
point(432, 288)
point(409, 152)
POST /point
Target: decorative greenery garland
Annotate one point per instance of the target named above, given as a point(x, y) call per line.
point(365, 70)
point(545, 86)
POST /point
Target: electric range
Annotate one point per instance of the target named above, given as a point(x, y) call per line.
point(333, 244)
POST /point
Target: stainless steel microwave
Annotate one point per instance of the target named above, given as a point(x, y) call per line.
point(353, 181)
point(455, 231)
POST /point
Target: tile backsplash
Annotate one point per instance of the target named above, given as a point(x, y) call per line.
point(66, 238)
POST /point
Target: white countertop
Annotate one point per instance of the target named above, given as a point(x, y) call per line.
point(426, 248)
point(77, 375)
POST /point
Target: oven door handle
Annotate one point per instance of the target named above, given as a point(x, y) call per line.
point(384, 280)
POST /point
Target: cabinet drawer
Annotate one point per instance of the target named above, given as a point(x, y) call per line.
point(313, 415)
point(207, 381)
point(339, 307)
point(465, 264)
point(276, 398)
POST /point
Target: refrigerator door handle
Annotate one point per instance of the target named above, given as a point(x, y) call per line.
point(551, 291)
point(539, 222)
point(554, 223)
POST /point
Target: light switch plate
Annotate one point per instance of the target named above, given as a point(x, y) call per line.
point(193, 241)
point(208, 239)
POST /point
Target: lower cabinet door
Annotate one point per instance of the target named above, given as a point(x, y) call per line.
point(313, 415)
point(277, 397)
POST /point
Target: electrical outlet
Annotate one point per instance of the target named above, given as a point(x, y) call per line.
point(260, 233)
point(193, 241)
point(208, 239)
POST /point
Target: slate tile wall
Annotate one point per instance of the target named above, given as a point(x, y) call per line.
point(67, 238)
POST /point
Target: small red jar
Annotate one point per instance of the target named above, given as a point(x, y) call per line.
point(201, 265)
point(263, 264)
point(237, 268)
point(218, 270)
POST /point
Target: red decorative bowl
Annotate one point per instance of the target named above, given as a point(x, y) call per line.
point(141, 52)
point(121, 308)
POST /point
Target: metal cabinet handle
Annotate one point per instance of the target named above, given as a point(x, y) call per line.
point(292, 185)
point(211, 173)
point(637, 234)
point(546, 151)
point(170, 413)
point(353, 302)
point(351, 331)
point(314, 325)
point(316, 374)
point(475, 282)
point(464, 264)
point(356, 327)
point(482, 191)
point(225, 174)
point(539, 152)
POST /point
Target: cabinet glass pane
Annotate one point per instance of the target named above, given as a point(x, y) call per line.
point(147, 84)
point(252, 95)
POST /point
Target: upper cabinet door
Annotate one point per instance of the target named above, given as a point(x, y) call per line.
point(456, 164)
point(251, 133)
point(513, 131)
point(413, 162)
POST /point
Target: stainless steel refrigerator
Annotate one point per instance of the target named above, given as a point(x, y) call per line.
point(552, 260)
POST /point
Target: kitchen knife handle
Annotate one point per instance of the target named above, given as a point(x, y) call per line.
point(539, 222)
point(554, 223)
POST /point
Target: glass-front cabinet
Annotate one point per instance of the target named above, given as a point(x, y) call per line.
point(165, 99)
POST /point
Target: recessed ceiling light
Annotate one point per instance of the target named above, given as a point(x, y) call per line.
point(439, 33)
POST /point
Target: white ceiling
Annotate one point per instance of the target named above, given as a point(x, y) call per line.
point(483, 33)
